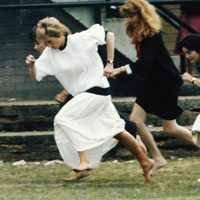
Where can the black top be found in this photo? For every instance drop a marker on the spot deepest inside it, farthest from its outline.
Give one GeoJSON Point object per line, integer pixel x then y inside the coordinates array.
{"type": "Point", "coordinates": [155, 72]}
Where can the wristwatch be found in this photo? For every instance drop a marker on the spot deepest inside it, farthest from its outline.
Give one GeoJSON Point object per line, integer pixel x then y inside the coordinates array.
{"type": "Point", "coordinates": [110, 61]}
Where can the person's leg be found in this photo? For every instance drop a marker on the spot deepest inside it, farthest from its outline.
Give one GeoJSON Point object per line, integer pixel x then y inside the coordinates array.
{"type": "Point", "coordinates": [138, 115]}
{"type": "Point", "coordinates": [131, 144]}
{"type": "Point", "coordinates": [170, 127]}
{"type": "Point", "coordinates": [84, 162]}
{"type": "Point", "coordinates": [142, 145]}
{"type": "Point", "coordinates": [130, 126]}
{"type": "Point", "coordinates": [62, 96]}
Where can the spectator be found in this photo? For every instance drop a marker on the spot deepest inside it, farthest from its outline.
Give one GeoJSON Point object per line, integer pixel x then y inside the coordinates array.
{"type": "Point", "coordinates": [190, 14]}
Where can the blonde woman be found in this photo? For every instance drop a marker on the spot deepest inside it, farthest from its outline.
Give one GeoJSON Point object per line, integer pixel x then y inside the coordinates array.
{"type": "Point", "coordinates": [88, 125]}
{"type": "Point", "coordinates": [157, 79]}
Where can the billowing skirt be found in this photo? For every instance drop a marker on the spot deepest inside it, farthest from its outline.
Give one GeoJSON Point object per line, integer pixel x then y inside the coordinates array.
{"type": "Point", "coordinates": [88, 122]}
{"type": "Point", "coordinates": [164, 106]}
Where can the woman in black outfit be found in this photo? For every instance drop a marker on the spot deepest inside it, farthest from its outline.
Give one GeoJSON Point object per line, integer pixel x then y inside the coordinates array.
{"type": "Point", "coordinates": [156, 77]}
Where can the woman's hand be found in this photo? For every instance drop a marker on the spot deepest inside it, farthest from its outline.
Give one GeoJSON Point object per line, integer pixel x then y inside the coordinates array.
{"type": "Point", "coordinates": [108, 70]}
{"type": "Point", "coordinates": [30, 59]}
{"type": "Point", "coordinates": [187, 77]}
{"type": "Point", "coordinates": [117, 71]}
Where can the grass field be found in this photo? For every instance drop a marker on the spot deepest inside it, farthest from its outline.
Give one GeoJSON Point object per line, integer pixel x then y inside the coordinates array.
{"type": "Point", "coordinates": [112, 180]}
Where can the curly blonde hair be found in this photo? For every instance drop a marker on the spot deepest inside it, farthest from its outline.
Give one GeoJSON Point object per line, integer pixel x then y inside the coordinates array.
{"type": "Point", "coordinates": [50, 27]}
{"type": "Point", "coordinates": [147, 22]}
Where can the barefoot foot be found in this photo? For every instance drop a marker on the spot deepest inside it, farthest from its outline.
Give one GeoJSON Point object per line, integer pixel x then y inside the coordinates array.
{"type": "Point", "coordinates": [157, 165]}
{"type": "Point", "coordinates": [82, 167]}
{"type": "Point", "coordinates": [146, 170]}
{"type": "Point", "coordinates": [77, 176]}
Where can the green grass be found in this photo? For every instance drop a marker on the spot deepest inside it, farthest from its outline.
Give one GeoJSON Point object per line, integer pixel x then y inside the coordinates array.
{"type": "Point", "coordinates": [110, 181]}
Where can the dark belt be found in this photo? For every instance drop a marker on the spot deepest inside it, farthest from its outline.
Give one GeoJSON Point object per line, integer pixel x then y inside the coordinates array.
{"type": "Point", "coordinates": [99, 91]}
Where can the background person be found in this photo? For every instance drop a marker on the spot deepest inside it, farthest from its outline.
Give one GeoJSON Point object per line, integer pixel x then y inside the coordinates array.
{"type": "Point", "coordinates": [190, 47]}
{"type": "Point", "coordinates": [190, 14]}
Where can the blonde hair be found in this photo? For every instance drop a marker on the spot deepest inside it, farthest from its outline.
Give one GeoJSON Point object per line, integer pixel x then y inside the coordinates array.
{"type": "Point", "coordinates": [148, 22]}
{"type": "Point", "coordinates": [50, 27]}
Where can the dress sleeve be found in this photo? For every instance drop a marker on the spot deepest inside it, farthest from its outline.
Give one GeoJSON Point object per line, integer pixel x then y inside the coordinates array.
{"type": "Point", "coordinates": [95, 35]}
{"type": "Point", "coordinates": [43, 65]}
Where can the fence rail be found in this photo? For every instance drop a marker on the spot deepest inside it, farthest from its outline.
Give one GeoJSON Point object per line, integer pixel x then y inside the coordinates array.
{"type": "Point", "coordinates": [87, 4]}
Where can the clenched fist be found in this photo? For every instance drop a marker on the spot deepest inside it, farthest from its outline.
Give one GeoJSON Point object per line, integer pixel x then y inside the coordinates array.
{"type": "Point", "coordinates": [30, 59]}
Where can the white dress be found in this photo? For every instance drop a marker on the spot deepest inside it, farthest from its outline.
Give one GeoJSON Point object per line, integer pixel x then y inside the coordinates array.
{"type": "Point", "coordinates": [88, 122]}
{"type": "Point", "coordinates": [196, 131]}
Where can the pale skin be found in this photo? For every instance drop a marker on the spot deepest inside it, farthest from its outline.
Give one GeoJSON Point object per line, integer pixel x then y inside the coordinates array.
{"type": "Point", "coordinates": [132, 144]}
{"type": "Point", "coordinates": [39, 46]}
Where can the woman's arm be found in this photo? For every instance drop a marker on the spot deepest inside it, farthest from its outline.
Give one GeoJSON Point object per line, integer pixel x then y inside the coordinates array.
{"type": "Point", "coordinates": [30, 60]}
{"type": "Point", "coordinates": [189, 78]}
{"type": "Point", "coordinates": [110, 47]}
{"type": "Point", "coordinates": [123, 69]}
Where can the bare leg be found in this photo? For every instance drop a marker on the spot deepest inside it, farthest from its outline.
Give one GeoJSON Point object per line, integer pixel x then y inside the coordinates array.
{"type": "Point", "coordinates": [138, 115]}
{"type": "Point", "coordinates": [143, 147]}
{"type": "Point", "coordinates": [172, 128]}
{"type": "Point", "coordinates": [62, 96]}
{"type": "Point", "coordinates": [132, 145]}
{"type": "Point", "coordinates": [84, 163]}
